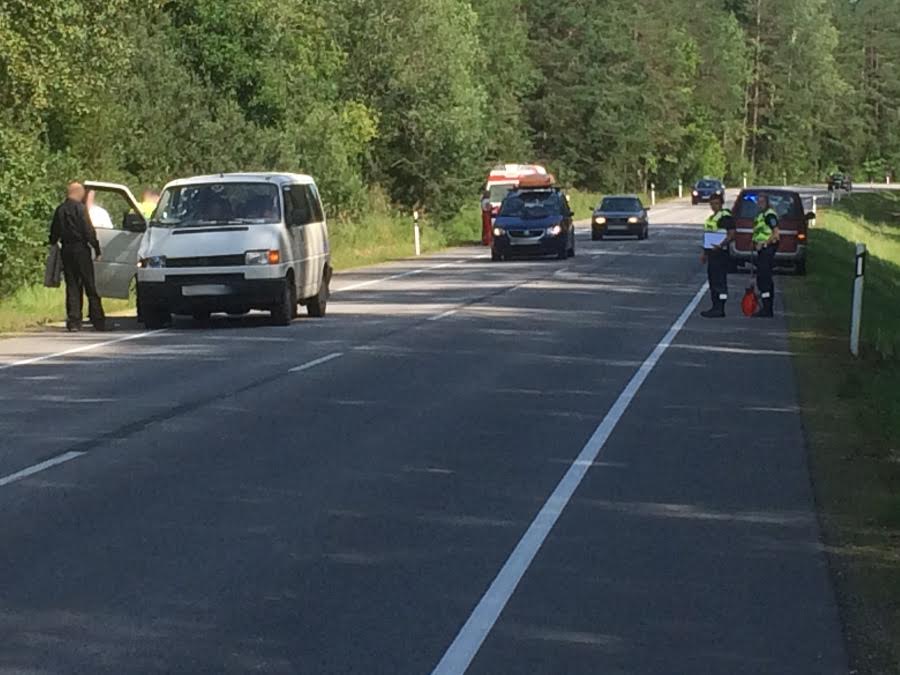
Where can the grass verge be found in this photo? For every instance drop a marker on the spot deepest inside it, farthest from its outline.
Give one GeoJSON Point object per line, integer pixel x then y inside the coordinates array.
{"type": "Point", "coordinates": [851, 410]}
{"type": "Point", "coordinates": [38, 306]}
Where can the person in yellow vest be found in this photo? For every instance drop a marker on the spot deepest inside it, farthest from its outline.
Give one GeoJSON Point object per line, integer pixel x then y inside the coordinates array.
{"type": "Point", "coordinates": [719, 231]}
{"type": "Point", "coordinates": [765, 241]}
{"type": "Point", "coordinates": [149, 200]}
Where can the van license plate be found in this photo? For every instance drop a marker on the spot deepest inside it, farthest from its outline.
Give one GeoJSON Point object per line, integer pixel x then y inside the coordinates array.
{"type": "Point", "coordinates": [205, 289]}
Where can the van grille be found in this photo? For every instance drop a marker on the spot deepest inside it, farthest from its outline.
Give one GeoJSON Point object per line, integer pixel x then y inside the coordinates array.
{"type": "Point", "coordinates": [207, 261]}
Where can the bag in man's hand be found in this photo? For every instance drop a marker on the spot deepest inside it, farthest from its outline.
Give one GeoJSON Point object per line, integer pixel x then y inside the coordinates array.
{"type": "Point", "coordinates": [53, 268]}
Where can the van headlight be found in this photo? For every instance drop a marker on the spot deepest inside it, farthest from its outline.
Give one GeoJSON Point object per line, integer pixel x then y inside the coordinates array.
{"type": "Point", "coordinates": [634, 220]}
{"type": "Point", "coordinates": [554, 231]}
{"type": "Point", "coordinates": [499, 231]}
{"type": "Point", "coordinates": [599, 220]}
{"type": "Point", "coordinates": [153, 262]}
{"type": "Point", "coordinates": [262, 258]}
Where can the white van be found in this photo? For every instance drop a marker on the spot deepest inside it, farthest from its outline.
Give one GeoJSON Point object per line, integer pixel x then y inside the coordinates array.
{"type": "Point", "coordinates": [224, 243]}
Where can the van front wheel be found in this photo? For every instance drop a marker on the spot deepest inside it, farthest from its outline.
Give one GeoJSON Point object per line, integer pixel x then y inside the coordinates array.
{"type": "Point", "coordinates": [286, 309]}
{"type": "Point", "coordinates": [318, 304]}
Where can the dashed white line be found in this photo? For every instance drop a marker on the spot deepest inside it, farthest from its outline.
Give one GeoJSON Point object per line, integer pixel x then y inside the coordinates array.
{"type": "Point", "coordinates": [402, 275]}
{"type": "Point", "coordinates": [316, 362]}
{"type": "Point", "coordinates": [444, 315]}
{"type": "Point", "coordinates": [462, 651]}
{"type": "Point", "coordinates": [37, 468]}
{"type": "Point", "coordinates": [80, 350]}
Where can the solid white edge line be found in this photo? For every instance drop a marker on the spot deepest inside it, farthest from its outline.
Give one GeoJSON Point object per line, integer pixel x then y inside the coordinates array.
{"type": "Point", "coordinates": [459, 655]}
{"type": "Point", "coordinates": [80, 350]}
{"type": "Point", "coordinates": [37, 468]}
{"type": "Point", "coordinates": [316, 362]}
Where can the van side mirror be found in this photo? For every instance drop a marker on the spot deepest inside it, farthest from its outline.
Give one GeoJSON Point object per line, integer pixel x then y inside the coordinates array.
{"type": "Point", "coordinates": [810, 216]}
{"type": "Point", "coordinates": [134, 222]}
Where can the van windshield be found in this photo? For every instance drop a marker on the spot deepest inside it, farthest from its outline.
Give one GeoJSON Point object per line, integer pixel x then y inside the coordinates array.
{"type": "Point", "coordinates": [218, 204]}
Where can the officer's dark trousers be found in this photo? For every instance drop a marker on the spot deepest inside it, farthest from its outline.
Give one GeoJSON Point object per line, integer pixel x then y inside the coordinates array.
{"type": "Point", "coordinates": [78, 270]}
{"type": "Point", "coordinates": [717, 264]}
{"type": "Point", "coordinates": [765, 282]}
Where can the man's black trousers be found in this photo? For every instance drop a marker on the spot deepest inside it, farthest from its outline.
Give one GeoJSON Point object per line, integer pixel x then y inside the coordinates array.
{"type": "Point", "coordinates": [78, 270]}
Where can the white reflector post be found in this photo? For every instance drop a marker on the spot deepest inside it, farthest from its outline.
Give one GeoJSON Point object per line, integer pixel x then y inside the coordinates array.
{"type": "Point", "coordinates": [859, 271]}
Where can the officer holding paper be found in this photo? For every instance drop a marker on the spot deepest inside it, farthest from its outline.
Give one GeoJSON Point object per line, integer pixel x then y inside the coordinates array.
{"type": "Point", "coordinates": [719, 231]}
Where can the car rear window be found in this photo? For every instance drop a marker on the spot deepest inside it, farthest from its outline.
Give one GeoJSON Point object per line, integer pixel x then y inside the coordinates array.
{"type": "Point", "coordinates": [786, 205]}
{"type": "Point", "coordinates": [620, 204]}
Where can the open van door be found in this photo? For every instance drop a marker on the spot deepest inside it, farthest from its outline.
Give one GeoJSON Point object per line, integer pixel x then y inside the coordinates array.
{"type": "Point", "coordinates": [120, 235]}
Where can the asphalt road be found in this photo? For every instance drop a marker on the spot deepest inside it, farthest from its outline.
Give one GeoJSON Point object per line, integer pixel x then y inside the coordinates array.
{"type": "Point", "coordinates": [526, 467]}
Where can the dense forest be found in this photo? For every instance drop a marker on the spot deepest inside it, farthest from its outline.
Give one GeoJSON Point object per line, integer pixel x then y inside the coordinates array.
{"type": "Point", "coordinates": [414, 99]}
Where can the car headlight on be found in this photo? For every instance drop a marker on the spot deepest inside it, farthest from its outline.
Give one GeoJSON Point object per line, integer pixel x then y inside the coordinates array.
{"type": "Point", "coordinates": [554, 231]}
{"type": "Point", "coordinates": [695, 193]}
{"type": "Point", "coordinates": [153, 262]}
{"type": "Point", "coordinates": [600, 220]}
{"type": "Point", "coordinates": [499, 231]}
{"type": "Point", "coordinates": [634, 220]}
{"type": "Point", "coordinates": [262, 258]}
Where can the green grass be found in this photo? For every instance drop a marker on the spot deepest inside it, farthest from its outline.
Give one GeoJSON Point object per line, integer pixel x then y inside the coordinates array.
{"type": "Point", "coordinates": [851, 410]}
{"type": "Point", "coordinates": [37, 306]}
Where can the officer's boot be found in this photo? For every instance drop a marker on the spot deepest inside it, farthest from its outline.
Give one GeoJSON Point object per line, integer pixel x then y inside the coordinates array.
{"type": "Point", "coordinates": [767, 310]}
{"type": "Point", "coordinates": [717, 311]}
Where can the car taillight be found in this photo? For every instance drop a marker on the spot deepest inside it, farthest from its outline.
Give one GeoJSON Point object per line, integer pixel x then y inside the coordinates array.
{"type": "Point", "coordinates": [801, 236]}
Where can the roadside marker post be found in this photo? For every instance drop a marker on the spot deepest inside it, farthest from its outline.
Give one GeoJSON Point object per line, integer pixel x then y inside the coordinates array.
{"type": "Point", "coordinates": [858, 283]}
{"type": "Point", "coordinates": [652, 194]}
{"type": "Point", "coordinates": [417, 235]}
{"type": "Point", "coordinates": [814, 203]}
{"type": "Point", "coordinates": [784, 178]}
{"type": "Point", "coordinates": [745, 180]}
{"type": "Point", "coordinates": [680, 189]}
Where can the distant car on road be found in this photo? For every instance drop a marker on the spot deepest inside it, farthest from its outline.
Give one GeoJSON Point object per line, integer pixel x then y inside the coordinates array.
{"type": "Point", "coordinates": [534, 219]}
{"type": "Point", "coordinates": [792, 222]}
{"type": "Point", "coordinates": [620, 215]}
{"type": "Point", "coordinates": [704, 189]}
{"type": "Point", "coordinates": [839, 181]}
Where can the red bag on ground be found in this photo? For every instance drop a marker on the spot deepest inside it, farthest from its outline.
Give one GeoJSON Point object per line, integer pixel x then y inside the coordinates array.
{"type": "Point", "coordinates": [750, 303]}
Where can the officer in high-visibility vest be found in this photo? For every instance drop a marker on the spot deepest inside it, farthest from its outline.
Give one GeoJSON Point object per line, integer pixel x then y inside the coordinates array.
{"type": "Point", "coordinates": [765, 241]}
{"type": "Point", "coordinates": [719, 231]}
{"type": "Point", "coordinates": [149, 200]}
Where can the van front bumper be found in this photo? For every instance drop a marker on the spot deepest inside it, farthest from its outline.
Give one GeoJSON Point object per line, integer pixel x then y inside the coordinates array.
{"type": "Point", "coordinates": [223, 292]}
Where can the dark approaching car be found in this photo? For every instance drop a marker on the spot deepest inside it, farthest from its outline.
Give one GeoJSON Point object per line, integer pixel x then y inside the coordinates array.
{"type": "Point", "coordinates": [839, 181]}
{"type": "Point", "coordinates": [534, 219]}
{"type": "Point", "coordinates": [620, 215]}
{"type": "Point", "coordinates": [792, 222]}
{"type": "Point", "coordinates": [704, 190]}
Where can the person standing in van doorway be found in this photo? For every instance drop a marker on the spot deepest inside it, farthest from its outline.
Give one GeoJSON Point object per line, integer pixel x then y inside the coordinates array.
{"type": "Point", "coordinates": [149, 200]}
{"type": "Point", "coordinates": [719, 231]}
{"type": "Point", "coordinates": [766, 236]}
{"type": "Point", "coordinates": [72, 228]}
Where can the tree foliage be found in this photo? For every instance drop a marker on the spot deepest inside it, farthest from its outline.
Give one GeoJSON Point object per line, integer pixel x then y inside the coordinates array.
{"type": "Point", "coordinates": [417, 98]}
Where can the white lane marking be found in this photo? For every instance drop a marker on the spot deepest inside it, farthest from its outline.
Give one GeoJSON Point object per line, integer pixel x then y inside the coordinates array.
{"type": "Point", "coordinates": [444, 315]}
{"type": "Point", "coordinates": [37, 468]}
{"type": "Point", "coordinates": [80, 350]}
{"type": "Point", "coordinates": [462, 651]}
{"type": "Point", "coordinates": [372, 282]}
{"type": "Point", "coordinates": [316, 362]}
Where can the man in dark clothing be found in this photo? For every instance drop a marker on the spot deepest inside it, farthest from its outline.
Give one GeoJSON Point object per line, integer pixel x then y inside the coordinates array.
{"type": "Point", "coordinates": [72, 228]}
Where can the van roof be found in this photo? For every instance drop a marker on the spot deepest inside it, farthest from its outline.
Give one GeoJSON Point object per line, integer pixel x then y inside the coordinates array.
{"type": "Point", "coordinates": [280, 179]}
